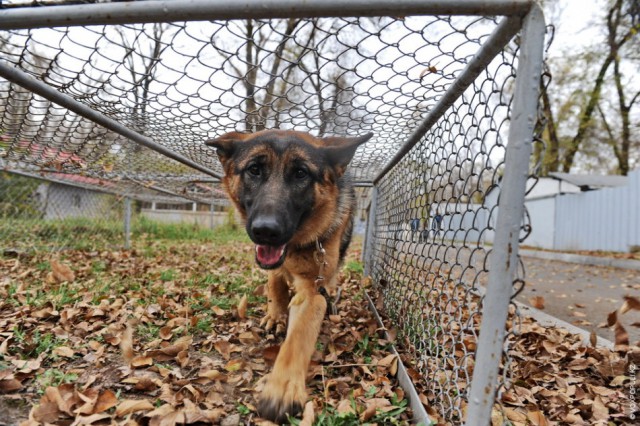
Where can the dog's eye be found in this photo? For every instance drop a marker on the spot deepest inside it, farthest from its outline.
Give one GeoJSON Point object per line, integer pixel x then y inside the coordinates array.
{"type": "Point", "coordinates": [300, 173]}
{"type": "Point", "coordinates": [254, 170]}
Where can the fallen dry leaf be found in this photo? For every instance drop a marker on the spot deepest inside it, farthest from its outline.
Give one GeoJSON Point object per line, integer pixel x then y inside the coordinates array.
{"type": "Point", "coordinates": [308, 415]}
{"type": "Point", "coordinates": [537, 302]}
{"type": "Point", "coordinates": [630, 303]}
{"type": "Point", "coordinates": [242, 307]}
{"type": "Point", "coordinates": [126, 343]}
{"type": "Point", "coordinates": [133, 406]}
{"type": "Point", "coordinates": [61, 272]}
{"type": "Point", "coordinates": [106, 400]}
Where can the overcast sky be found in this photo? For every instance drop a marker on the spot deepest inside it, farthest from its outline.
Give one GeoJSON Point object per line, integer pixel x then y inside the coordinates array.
{"type": "Point", "coordinates": [574, 23]}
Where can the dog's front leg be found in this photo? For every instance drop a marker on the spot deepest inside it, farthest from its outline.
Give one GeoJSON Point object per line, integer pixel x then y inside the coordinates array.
{"type": "Point", "coordinates": [284, 391]}
{"type": "Point", "coordinates": [277, 301]}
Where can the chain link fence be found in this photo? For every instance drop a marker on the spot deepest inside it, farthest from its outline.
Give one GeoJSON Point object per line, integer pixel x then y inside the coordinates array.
{"type": "Point", "coordinates": [120, 100]}
{"type": "Point", "coordinates": [43, 215]}
{"type": "Point", "coordinates": [435, 222]}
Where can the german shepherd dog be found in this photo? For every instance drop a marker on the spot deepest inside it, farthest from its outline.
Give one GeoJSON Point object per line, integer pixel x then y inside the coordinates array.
{"type": "Point", "coordinates": [297, 201]}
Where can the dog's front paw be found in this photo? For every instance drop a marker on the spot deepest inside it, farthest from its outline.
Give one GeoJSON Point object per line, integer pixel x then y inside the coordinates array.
{"type": "Point", "coordinates": [270, 321]}
{"type": "Point", "coordinates": [281, 397]}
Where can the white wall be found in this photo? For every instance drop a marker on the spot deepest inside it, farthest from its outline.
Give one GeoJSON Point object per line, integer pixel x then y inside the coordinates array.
{"type": "Point", "coordinates": [542, 213]}
{"type": "Point", "coordinates": [606, 219]}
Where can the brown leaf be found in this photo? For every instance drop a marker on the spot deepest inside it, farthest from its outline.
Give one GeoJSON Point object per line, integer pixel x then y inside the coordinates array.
{"type": "Point", "coordinates": [612, 319]}
{"type": "Point", "coordinates": [537, 418]}
{"type": "Point", "coordinates": [308, 415]}
{"type": "Point", "coordinates": [593, 339]}
{"type": "Point", "coordinates": [372, 407]}
{"type": "Point", "coordinates": [26, 366]}
{"type": "Point", "coordinates": [249, 337]}
{"type": "Point", "coordinates": [234, 365]}
{"type": "Point", "coordinates": [621, 335]}
{"type": "Point", "coordinates": [270, 354]}
{"type": "Point", "coordinates": [218, 310]}
{"type": "Point", "coordinates": [212, 375]}
{"type": "Point", "coordinates": [599, 410]}
{"type": "Point", "coordinates": [630, 303]}
{"type": "Point", "coordinates": [126, 344]}
{"type": "Point", "coordinates": [9, 384]}
{"type": "Point", "coordinates": [141, 361]}
{"type": "Point", "coordinates": [515, 415]}
{"type": "Point", "coordinates": [166, 333]}
{"type": "Point", "coordinates": [537, 302]}
{"type": "Point", "coordinates": [224, 348]}
{"type": "Point", "coordinates": [387, 361]}
{"type": "Point", "coordinates": [345, 407]}
{"type": "Point", "coordinates": [46, 412]}
{"type": "Point", "coordinates": [64, 351]}
{"type": "Point", "coordinates": [61, 272]}
{"type": "Point", "coordinates": [129, 406]}
{"type": "Point", "coordinates": [242, 307]}
{"type": "Point", "coordinates": [106, 400]}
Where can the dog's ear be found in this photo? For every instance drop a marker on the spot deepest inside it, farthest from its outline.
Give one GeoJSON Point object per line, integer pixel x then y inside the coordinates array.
{"type": "Point", "coordinates": [226, 144]}
{"type": "Point", "coordinates": [340, 151]}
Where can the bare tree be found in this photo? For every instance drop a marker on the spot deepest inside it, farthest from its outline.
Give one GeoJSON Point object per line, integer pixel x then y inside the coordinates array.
{"type": "Point", "coordinates": [620, 32]}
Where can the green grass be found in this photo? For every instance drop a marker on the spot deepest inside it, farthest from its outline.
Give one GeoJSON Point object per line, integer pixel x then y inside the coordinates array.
{"type": "Point", "coordinates": [354, 267]}
{"type": "Point", "coordinates": [330, 417]}
{"type": "Point", "coordinates": [104, 233]}
{"type": "Point", "coordinates": [54, 377]}
{"type": "Point", "coordinates": [35, 345]}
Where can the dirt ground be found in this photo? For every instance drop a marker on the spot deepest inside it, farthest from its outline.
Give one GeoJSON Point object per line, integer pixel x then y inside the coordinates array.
{"type": "Point", "coordinates": [583, 295]}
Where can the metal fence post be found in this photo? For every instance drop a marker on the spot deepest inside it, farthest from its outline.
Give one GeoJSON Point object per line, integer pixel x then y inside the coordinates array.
{"type": "Point", "coordinates": [369, 233]}
{"type": "Point", "coordinates": [127, 223]}
{"type": "Point", "coordinates": [504, 256]}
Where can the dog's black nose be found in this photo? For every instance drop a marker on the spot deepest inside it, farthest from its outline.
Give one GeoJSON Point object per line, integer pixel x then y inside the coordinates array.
{"type": "Point", "coordinates": [267, 230]}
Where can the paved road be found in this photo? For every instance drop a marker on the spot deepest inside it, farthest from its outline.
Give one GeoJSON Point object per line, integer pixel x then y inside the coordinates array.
{"type": "Point", "coordinates": [583, 295]}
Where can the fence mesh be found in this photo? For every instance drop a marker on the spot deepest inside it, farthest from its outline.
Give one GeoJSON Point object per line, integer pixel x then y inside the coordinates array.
{"type": "Point", "coordinates": [181, 83]}
{"type": "Point", "coordinates": [434, 226]}
{"type": "Point", "coordinates": [44, 215]}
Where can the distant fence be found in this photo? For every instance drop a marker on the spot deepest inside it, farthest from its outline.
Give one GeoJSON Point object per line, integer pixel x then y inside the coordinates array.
{"type": "Point", "coordinates": [36, 214]}
{"type": "Point", "coordinates": [607, 219]}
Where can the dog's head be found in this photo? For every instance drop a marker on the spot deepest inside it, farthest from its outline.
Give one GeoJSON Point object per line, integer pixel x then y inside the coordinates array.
{"type": "Point", "coordinates": [284, 184]}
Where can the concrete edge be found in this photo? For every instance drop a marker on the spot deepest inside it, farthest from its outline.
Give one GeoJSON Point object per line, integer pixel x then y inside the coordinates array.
{"type": "Point", "coordinates": [582, 259]}
{"type": "Point", "coordinates": [420, 415]}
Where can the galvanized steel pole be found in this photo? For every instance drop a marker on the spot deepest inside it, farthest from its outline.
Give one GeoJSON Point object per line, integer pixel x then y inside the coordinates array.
{"type": "Point", "coordinates": [127, 223]}
{"type": "Point", "coordinates": [504, 255]}
{"type": "Point", "coordinates": [367, 252]}
{"type": "Point", "coordinates": [494, 44]}
{"type": "Point", "coordinates": [119, 13]}
{"type": "Point", "coordinates": [23, 79]}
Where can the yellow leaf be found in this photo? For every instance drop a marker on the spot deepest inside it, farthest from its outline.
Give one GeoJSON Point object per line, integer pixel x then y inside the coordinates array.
{"type": "Point", "coordinates": [234, 365]}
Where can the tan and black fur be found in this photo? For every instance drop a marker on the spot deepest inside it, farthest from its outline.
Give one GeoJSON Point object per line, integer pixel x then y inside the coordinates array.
{"type": "Point", "coordinates": [293, 191]}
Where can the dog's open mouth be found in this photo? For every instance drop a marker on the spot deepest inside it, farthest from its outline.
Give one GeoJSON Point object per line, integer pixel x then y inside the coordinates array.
{"type": "Point", "coordinates": [270, 257]}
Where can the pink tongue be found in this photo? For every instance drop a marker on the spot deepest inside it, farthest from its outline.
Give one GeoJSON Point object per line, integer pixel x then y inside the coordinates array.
{"type": "Point", "coordinates": [269, 255]}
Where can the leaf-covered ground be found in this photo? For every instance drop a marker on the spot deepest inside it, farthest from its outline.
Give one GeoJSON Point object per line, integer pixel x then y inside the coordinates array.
{"type": "Point", "coordinates": [168, 333]}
